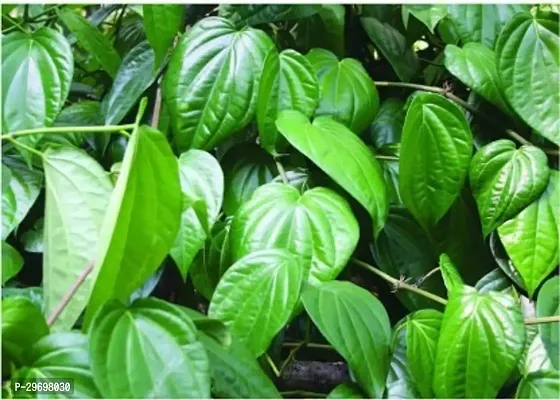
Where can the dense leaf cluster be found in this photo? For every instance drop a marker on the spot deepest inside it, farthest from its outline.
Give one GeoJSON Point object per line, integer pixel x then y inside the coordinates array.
{"type": "Point", "coordinates": [189, 194]}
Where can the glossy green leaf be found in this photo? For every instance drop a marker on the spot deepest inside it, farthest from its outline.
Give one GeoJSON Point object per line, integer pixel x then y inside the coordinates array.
{"type": "Point", "coordinates": [141, 221]}
{"type": "Point", "coordinates": [343, 156]}
{"type": "Point", "coordinates": [548, 304]}
{"type": "Point", "coordinates": [147, 350]}
{"type": "Point", "coordinates": [32, 240]}
{"type": "Point", "coordinates": [390, 170]}
{"type": "Point", "coordinates": [236, 374]}
{"type": "Point", "coordinates": [212, 328]}
{"type": "Point", "coordinates": [318, 227]}
{"type": "Point", "coordinates": [399, 380]}
{"type": "Point", "coordinates": [20, 188]}
{"type": "Point", "coordinates": [435, 153]}
{"type": "Point", "coordinates": [482, 23]}
{"type": "Point", "coordinates": [134, 76]}
{"type": "Point", "coordinates": [246, 167]}
{"type": "Point", "coordinates": [428, 14]}
{"type": "Point", "coordinates": [387, 126]}
{"type": "Point", "coordinates": [480, 343]}
{"type": "Point", "coordinates": [531, 237]}
{"type": "Point", "coordinates": [422, 333]}
{"type": "Point", "coordinates": [346, 390]}
{"type": "Point", "coordinates": [503, 261]}
{"type": "Point", "coordinates": [91, 39]}
{"type": "Point", "coordinates": [12, 262]}
{"type": "Point", "coordinates": [527, 60]}
{"type": "Point", "coordinates": [451, 276]}
{"type": "Point", "coordinates": [162, 22]}
{"type": "Point", "coordinates": [211, 84]}
{"type": "Point", "coordinates": [23, 324]}
{"type": "Point", "coordinates": [256, 14]}
{"type": "Point", "coordinates": [504, 180]}
{"type": "Point", "coordinates": [475, 66]}
{"type": "Point", "coordinates": [62, 355]}
{"type": "Point", "coordinates": [84, 113]}
{"type": "Point", "coordinates": [202, 183]}
{"type": "Point", "coordinates": [355, 323]}
{"type": "Point", "coordinates": [536, 358]}
{"type": "Point", "coordinates": [348, 94]}
{"type": "Point", "coordinates": [34, 294]}
{"type": "Point", "coordinates": [288, 82]}
{"type": "Point", "coordinates": [256, 296]}
{"type": "Point", "coordinates": [539, 385]}
{"type": "Point", "coordinates": [324, 29]}
{"type": "Point", "coordinates": [495, 280]}
{"type": "Point", "coordinates": [404, 249]}
{"type": "Point", "coordinates": [77, 196]}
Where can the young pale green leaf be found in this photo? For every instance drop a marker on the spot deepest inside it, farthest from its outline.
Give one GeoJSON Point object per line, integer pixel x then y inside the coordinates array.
{"type": "Point", "coordinates": [422, 333]}
{"type": "Point", "coordinates": [141, 221]}
{"type": "Point", "coordinates": [355, 323]}
{"type": "Point", "coordinates": [318, 227]}
{"type": "Point", "coordinates": [256, 296]}
{"type": "Point", "coordinates": [148, 350]}
{"type": "Point", "coordinates": [84, 113]}
{"type": "Point", "coordinates": [246, 167]}
{"type": "Point", "coordinates": [451, 276]}
{"type": "Point", "coordinates": [288, 82]}
{"type": "Point", "coordinates": [134, 76]}
{"type": "Point", "coordinates": [482, 23]}
{"type": "Point", "coordinates": [475, 66]}
{"type": "Point", "coordinates": [343, 156]}
{"type": "Point", "coordinates": [531, 237]}
{"type": "Point", "coordinates": [400, 384]}
{"type": "Point", "coordinates": [481, 340]}
{"type": "Point", "coordinates": [324, 29]}
{"type": "Point", "coordinates": [236, 374]}
{"type": "Point", "coordinates": [548, 304]}
{"type": "Point", "coordinates": [504, 180]}
{"type": "Point", "coordinates": [387, 126]}
{"type": "Point", "coordinates": [77, 196]}
{"type": "Point", "coordinates": [202, 182]}
{"type": "Point", "coordinates": [348, 95]}
{"type": "Point", "coordinates": [211, 84]}
{"type": "Point", "coordinates": [536, 357]}
{"type": "Point", "coordinates": [62, 355]}
{"type": "Point", "coordinates": [346, 390]}
{"type": "Point", "coordinates": [162, 22]}
{"type": "Point", "coordinates": [91, 39]}
{"type": "Point", "coordinates": [23, 324]}
{"type": "Point", "coordinates": [527, 60]}
{"type": "Point", "coordinates": [544, 384]}
{"type": "Point", "coordinates": [256, 14]}
{"type": "Point", "coordinates": [404, 249]}
{"type": "Point", "coordinates": [435, 153]}
{"type": "Point", "coordinates": [12, 262]}
{"type": "Point", "coordinates": [428, 14]}
{"type": "Point", "coordinates": [20, 188]}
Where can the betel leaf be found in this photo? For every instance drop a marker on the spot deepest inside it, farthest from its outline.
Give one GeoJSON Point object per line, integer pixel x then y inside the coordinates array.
{"type": "Point", "coordinates": [387, 126]}
{"type": "Point", "coordinates": [435, 153]}
{"type": "Point", "coordinates": [346, 390]}
{"type": "Point", "coordinates": [451, 276]}
{"type": "Point", "coordinates": [256, 296]}
{"type": "Point", "coordinates": [494, 280]}
{"type": "Point", "coordinates": [20, 188]}
{"type": "Point", "coordinates": [318, 227]}
{"type": "Point", "coordinates": [84, 113]}
{"type": "Point", "coordinates": [236, 374]}
{"type": "Point", "coordinates": [162, 22]}
{"type": "Point", "coordinates": [422, 333]}
{"type": "Point", "coordinates": [134, 76]}
{"type": "Point", "coordinates": [348, 95]}
{"type": "Point", "coordinates": [504, 180]}
{"type": "Point", "coordinates": [343, 156]}
{"type": "Point", "coordinates": [482, 23]}
{"type": "Point", "coordinates": [23, 324]}
{"type": "Point", "coordinates": [531, 237]}
{"type": "Point", "coordinates": [399, 379]}
{"type": "Point", "coordinates": [355, 323]}
{"type": "Point", "coordinates": [503, 260]}
{"type": "Point", "coordinates": [141, 221]}
{"type": "Point", "coordinates": [403, 248]}
{"type": "Point", "coordinates": [91, 39]}
{"type": "Point", "coordinates": [256, 14]}
{"type": "Point", "coordinates": [475, 66]}
{"type": "Point", "coordinates": [246, 167]}
{"type": "Point", "coordinates": [536, 357]}
{"type": "Point", "coordinates": [148, 350]}
{"type": "Point", "coordinates": [324, 29]}
{"type": "Point", "coordinates": [32, 240]}
{"type": "Point", "coordinates": [544, 384]}
{"type": "Point", "coordinates": [12, 262]}
{"type": "Point", "coordinates": [214, 329]}
{"type": "Point", "coordinates": [77, 196]}
{"type": "Point", "coordinates": [428, 14]}
{"type": "Point", "coordinates": [527, 60]}
{"type": "Point", "coordinates": [202, 183]}
{"type": "Point", "coordinates": [34, 294]}
{"type": "Point", "coordinates": [211, 84]}
{"type": "Point", "coordinates": [481, 340]}
{"type": "Point", "coordinates": [288, 82]}
{"type": "Point", "coordinates": [62, 355]}
{"type": "Point", "coordinates": [548, 304]}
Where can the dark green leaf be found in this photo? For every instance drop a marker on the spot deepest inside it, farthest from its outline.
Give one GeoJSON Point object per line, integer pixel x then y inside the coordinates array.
{"type": "Point", "coordinates": [548, 304]}
{"type": "Point", "coordinates": [346, 391]}
{"type": "Point", "coordinates": [324, 29]}
{"type": "Point", "coordinates": [539, 385]}
{"type": "Point", "coordinates": [256, 14]}
{"type": "Point", "coordinates": [503, 261]}
{"type": "Point", "coordinates": [399, 380]}
{"type": "Point", "coordinates": [387, 126]}
{"type": "Point", "coordinates": [84, 113]}
{"type": "Point", "coordinates": [12, 262]}
{"type": "Point", "coordinates": [162, 22]}
{"type": "Point", "coordinates": [495, 280]}
{"type": "Point", "coordinates": [34, 294]}
{"type": "Point", "coordinates": [428, 14]}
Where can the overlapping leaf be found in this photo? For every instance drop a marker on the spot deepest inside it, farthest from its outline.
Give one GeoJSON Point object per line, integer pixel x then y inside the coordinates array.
{"type": "Point", "coordinates": [162, 22]}
{"type": "Point", "coordinates": [548, 304]}
{"type": "Point", "coordinates": [12, 262]}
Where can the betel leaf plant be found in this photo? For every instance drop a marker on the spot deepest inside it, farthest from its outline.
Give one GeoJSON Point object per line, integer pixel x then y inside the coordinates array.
{"type": "Point", "coordinates": [281, 200]}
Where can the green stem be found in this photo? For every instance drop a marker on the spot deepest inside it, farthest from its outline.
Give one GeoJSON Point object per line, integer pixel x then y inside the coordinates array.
{"type": "Point", "coordinates": [272, 365]}
{"type": "Point", "coordinates": [390, 158]}
{"type": "Point", "coordinates": [281, 171]}
{"type": "Point", "coordinates": [310, 345]}
{"type": "Point", "coordinates": [542, 320]}
{"type": "Point", "coordinates": [70, 129]}
{"type": "Point", "coordinates": [290, 357]}
{"type": "Point", "coordinates": [15, 23]}
{"type": "Point", "coordinates": [30, 149]}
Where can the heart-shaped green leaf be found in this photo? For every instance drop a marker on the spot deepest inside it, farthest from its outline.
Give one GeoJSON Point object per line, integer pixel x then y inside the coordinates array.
{"type": "Point", "coordinates": [400, 384]}
{"type": "Point", "coordinates": [325, 29]}
{"type": "Point", "coordinates": [357, 326]}
{"type": "Point", "coordinates": [428, 14]}
{"type": "Point", "coordinates": [548, 304]}
{"type": "Point", "coordinates": [387, 126]}
{"type": "Point", "coordinates": [543, 384]}
{"type": "Point", "coordinates": [348, 95]}
{"type": "Point", "coordinates": [162, 22]}
{"type": "Point", "coordinates": [435, 153]}
{"type": "Point", "coordinates": [504, 180]}
{"type": "Point", "coordinates": [343, 156]}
